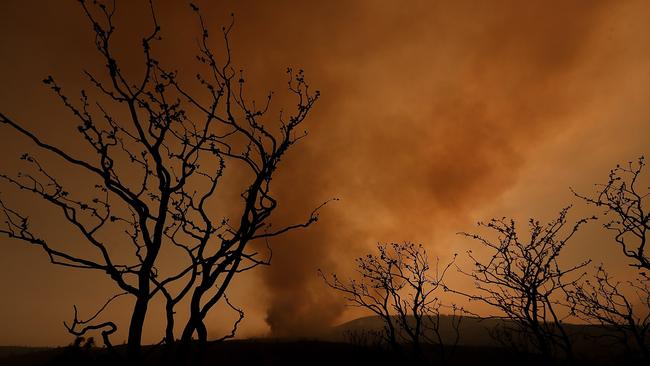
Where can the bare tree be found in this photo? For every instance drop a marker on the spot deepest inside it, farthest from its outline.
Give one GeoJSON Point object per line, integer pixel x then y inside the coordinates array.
{"type": "Point", "coordinates": [623, 306]}
{"type": "Point", "coordinates": [523, 279]}
{"type": "Point", "coordinates": [158, 155]}
{"type": "Point", "coordinates": [624, 201]}
{"type": "Point", "coordinates": [401, 287]}
{"type": "Point", "coordinates": [371, 291]}
{"type": "Point", "coordinates": [435, 333]}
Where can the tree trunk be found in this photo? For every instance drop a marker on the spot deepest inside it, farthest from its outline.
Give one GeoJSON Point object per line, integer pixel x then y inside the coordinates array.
{"type": "Point", "coordinates": [201, 333]}
{"type": "Point", "coordinates": [134, 343]}
{"type": "Point", "coordinates": [169, 329]}
{"type": "Point", "coordinates": [189, 329]}
{"type": "Point", "coordinates": [183, 352]}
{"type": "Point", "coordinates": [183, 355]}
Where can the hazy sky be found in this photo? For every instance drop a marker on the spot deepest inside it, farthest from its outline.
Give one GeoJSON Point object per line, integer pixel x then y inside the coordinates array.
{"type": "Point", "coordinates": [434, 115]}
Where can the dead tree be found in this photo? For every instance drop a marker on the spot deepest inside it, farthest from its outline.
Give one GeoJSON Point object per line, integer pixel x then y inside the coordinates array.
{"type": "Point", "coordinates": [371, 291]}
{"type": "Point", "coordinates": [434, 327]}
{"type": "Point", "coordinates": [416, 301]}
{"type": "Point", "coordinates": [221, 250]}
{"type": "Point", "coordinates": [622, 307]}
{"type": "Point", "coordinates": [401, 287]}
{"type": "Point", "coordinates": [624, 202]}
{"type": "Point", "coordinates": [158, 153]}
{"type": "Point", "coordinates": [523, 280]}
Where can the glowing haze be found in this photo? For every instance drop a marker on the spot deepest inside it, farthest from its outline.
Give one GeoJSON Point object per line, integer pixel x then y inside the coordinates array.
{"type": "Point", "coordinates": [434, 114]}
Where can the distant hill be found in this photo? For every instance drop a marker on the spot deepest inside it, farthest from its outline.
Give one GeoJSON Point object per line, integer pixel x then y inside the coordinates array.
{"type": "Point", "coordinates": [474, 331]}
{"type": "Point", "coordinates": [588, 340]}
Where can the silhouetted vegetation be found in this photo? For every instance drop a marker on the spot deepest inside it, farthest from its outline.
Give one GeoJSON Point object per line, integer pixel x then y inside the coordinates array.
{"type": "Point", "coordinates": [157, 148]}
{"type": "Point", "coordinates": [399, 286]}
{"type": "Point", "coordinates": [623, 306]}
{"type": "Point", "coordinates": [523, 279]}
{"type": "Point", "coordinates": [158, 153]}
{"type": "Point", "coordinates": [625, 205]}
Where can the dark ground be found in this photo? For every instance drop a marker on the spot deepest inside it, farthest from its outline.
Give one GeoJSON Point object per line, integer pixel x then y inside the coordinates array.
{"type": "Point", "coordinates": [275, 352]}
{"type": "Point", "coordinates": [352, 343]}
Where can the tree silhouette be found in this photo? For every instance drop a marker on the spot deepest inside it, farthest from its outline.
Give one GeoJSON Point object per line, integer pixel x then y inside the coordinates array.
{"type": "Point", "coordinates": [621, 305]}
{"type": "Point", "coordinates": [523, 279]}
{"type": "Point", "coordinates": [159, 153]}
{"type": "Point", "coordinates": [624, 201]}
{"type": "Point", "coordinates": [400, 286]}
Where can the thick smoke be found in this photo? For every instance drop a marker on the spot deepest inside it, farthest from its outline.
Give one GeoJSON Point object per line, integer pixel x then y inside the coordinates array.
{"type": "Point", "coordinates": [428, 112]}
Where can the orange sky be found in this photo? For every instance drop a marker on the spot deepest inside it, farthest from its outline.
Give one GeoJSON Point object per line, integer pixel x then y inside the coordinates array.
{"type": "Point", "coordinates": [434, 114]}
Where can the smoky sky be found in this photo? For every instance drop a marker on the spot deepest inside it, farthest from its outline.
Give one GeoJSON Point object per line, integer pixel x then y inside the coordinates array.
{"type": "Point", "coordinates": [432, 113]}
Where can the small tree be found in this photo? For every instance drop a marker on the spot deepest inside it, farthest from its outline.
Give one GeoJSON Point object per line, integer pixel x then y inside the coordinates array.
{"type": "Point", "coordinates": [621, 305]}
{"type": "Point", "coordinates": [523, 279]}
{"type": "Point", "coordinates": [625, 202]}
{"type": "Point", "coordinates": [158, 155]}
{"type": "Point", "coordinates": [401, 288]}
